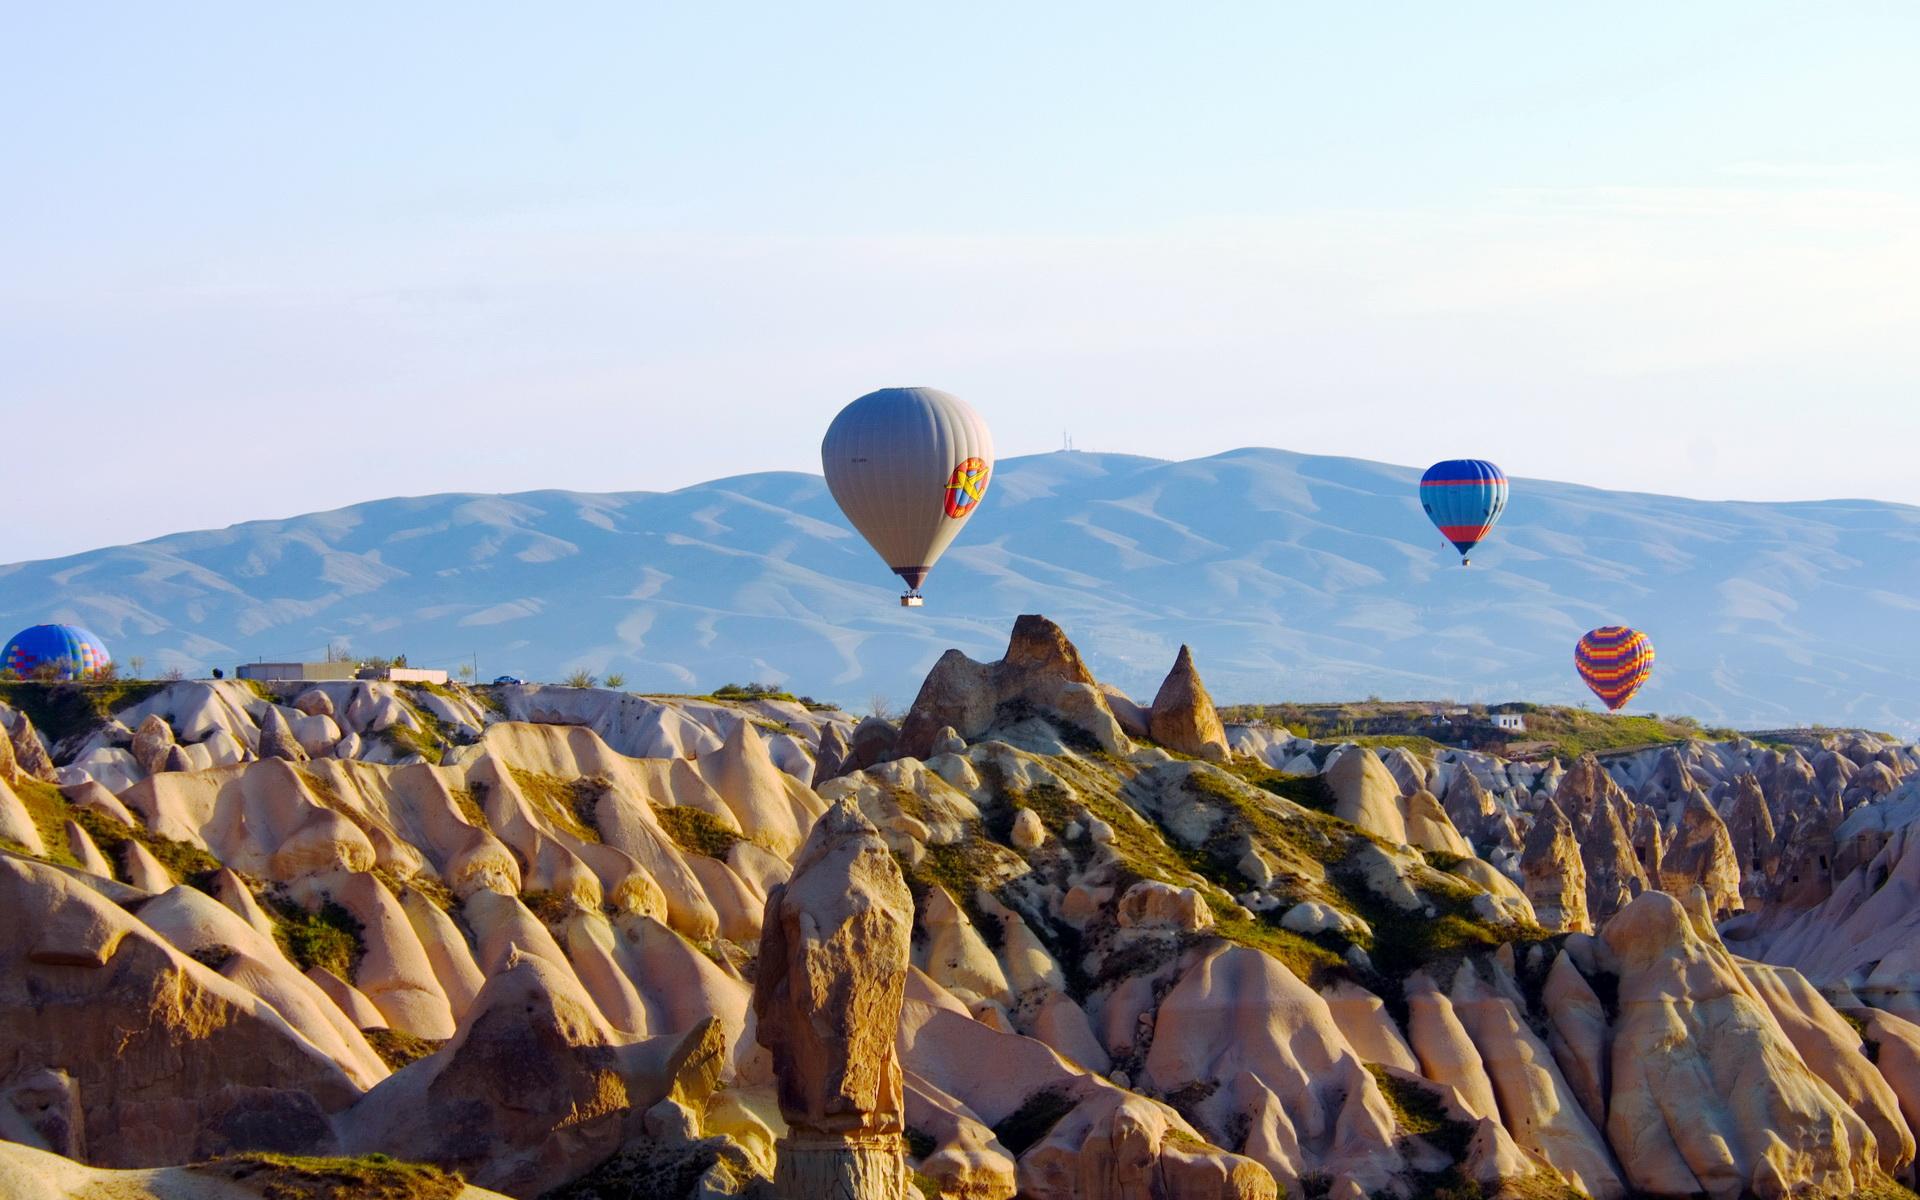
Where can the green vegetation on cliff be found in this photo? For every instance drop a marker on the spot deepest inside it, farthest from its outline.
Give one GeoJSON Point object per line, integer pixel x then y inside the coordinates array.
{"type": "Point", "coordinates": [369, 1177]}
{"type": "Point", "coordinates": [60, 710]}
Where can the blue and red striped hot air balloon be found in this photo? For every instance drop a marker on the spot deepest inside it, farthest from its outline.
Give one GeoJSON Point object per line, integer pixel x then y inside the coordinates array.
{"type": "Point", "coordinates": [1614, 661]}
{"type": "Point", "coordinates": [1464, 497]}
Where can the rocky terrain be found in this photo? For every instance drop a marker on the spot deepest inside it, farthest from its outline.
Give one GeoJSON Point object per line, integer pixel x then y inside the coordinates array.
{"type": "Point", "coordinates": [1039, 937]}
{"type": "Point", "coordinates": [1290, 575]}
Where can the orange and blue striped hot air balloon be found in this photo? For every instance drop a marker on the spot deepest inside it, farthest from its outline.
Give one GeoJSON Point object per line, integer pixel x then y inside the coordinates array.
{"type": "Point", "coordinates": [1464, 497]}
{"type": "Point", "coordinates": [1614, 661]}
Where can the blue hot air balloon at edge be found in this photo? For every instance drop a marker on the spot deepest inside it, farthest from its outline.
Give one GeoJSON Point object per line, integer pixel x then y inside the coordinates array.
{"type": "Point", "coordinates": [1464, 497]}
{"type": "Point", "coordinates": [71, 651]}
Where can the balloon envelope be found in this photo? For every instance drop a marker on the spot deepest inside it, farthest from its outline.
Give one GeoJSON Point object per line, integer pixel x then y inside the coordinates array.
{"type": "Point", "coordinates": [71, 651]}
{"type": "Point", "coordinates": [1464, 497]}
{"type": "Point", "coordinates": [1614, 661]}
{"type": "Point", "coordinates": [909, 467]}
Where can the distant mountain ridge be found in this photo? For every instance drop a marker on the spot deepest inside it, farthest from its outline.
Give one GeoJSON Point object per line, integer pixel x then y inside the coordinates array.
{"type": "Point", "coordinates": [1293, 577]}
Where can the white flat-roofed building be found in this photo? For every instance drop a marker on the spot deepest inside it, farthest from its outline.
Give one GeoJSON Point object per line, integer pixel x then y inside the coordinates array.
{"type": "Point", "coordinates": [297, 670]}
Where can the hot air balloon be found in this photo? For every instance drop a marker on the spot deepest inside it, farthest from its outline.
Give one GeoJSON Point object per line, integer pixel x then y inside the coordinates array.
{"type": "Point", "coordinates": [68, 650]}
{"type": "Point", "coordinates": [1615, 661]}
{"type": "Point", "coordinates": [1464, 497]}
{"type": "Point", "coordinates": [908, 466]}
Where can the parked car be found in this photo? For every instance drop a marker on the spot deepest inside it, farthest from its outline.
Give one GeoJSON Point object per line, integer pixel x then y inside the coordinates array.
{"type": "Point", "coordinates": [504, 679]}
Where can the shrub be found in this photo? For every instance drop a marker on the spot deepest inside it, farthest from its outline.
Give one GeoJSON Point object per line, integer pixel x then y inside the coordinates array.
{"type": "Point", "coordinates": [752, 691]}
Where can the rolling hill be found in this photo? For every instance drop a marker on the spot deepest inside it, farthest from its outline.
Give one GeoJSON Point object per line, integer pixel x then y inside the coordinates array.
{"type": "Point", "coordinates": [1293, 577]}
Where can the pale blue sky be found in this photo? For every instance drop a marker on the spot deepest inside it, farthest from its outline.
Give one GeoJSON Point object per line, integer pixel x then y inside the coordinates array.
{"type": "Point", "coordinates": [480, 247]}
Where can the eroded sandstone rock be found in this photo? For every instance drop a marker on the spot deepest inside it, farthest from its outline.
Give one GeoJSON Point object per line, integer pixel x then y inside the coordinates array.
{"type": "Point", "coordinates": [277, 739]}
{"type": "Point", "coordinates": [833, 967]}
{"type": "Point", "coordinates": [534, 1089]}
{"type": "Point", "coordinates": [1182, 717]}
{"type": "Point", "coordinates": [29, 752]}
{"type": "Point", "coordinates": [1041, 674]}
{"type": "Point", "coordinates": [1708, 1094]}
{"type": "Point", "coordinates": [1554, 873]}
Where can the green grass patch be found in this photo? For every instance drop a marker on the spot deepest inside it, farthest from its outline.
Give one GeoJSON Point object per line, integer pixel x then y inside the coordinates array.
{"type": "Point", "coordinates": [1443, 860]}
{"type": "Point", "coordinates": [1418, 743]}
{"type": "Point", "coordinates": [1312, 963]}
{"type": "Point", "coordinates": [1308, 791]}
{"type": "Point", "coordinates": [1399, 941]}
{"type": "Point", "coordinates": [61, 710]}
{"type": "Point", "coordinates": [467, 800]}
{"type": "Point", "coordinates": [742, 692]}
{"type": "Point", "coordinates": [1560, 731]}
{"type": "Point", "coordinates": [1884, 1189]}
{"type": "Point", "coordinates": [1138, 841]}
{"type": "Point", "coordinates": [185, 862]}
{"type": "Point", "coordinates": [1188, 1142]}
{"type": "Point", "coordinates": [568, 803]}
{"type": "Point", "coordinates": [1570, 732]}
{"type": "Point", "coordinates": [1150, 853]}
{"type": "Point", "coordinates": [697, 832]}
{"type": "Point", "coordinates": [964, 869]}
{"type": "Point", "coordinates": [322, 788]}
{"type": "Point", "coordinates": [437, 893]}
{"type": "Point", "coordinates": [1403, 942]}
{"type": "Point", "coordinates": [398, 1049]}
{"type": "Point", "coordinates": [1420, 1112]}
{"type": "Point", "coordinates": [49, 810]}
{"type": "Point", "coordinates": [368, 1177]}
{"type": "Point", "coordinates": [403, 740]}
{"type": "Point", "coordinates": [437, 729]}
{"type": "Point", "coordinates": [328, 938]}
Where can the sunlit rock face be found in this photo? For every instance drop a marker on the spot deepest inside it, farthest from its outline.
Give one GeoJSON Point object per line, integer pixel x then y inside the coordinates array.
{"type": "Point", "coordinates": [760, 949]}
{"type": "Point", "coordinates": [833, 966]}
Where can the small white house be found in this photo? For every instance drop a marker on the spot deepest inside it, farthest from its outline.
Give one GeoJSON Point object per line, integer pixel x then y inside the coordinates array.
{"type": "Point", "coordinates": [1510, 722]}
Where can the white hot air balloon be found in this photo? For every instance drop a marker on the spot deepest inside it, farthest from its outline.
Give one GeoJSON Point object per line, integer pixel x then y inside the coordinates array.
{"type": "Point", "coordinates": [908, 466]}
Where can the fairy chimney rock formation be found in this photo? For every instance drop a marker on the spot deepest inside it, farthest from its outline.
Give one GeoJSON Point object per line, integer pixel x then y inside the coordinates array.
{"type": "Point", "coordinates": [276, 738]}
{"type": "Point", "coordinates": [30, 756]}
{"type": "Point", "coordinates": [1041, 675]}
{"type": "Point", "coordinates": [1553, 876]}
{"type": "Point", "coordinates": [1183, 717]}
{"type": "Point", "coordinates": [833, 969]}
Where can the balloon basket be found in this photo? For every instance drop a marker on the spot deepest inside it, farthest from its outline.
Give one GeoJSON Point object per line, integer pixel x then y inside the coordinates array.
{"type": "Point", "coordinates": [912, 600]}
